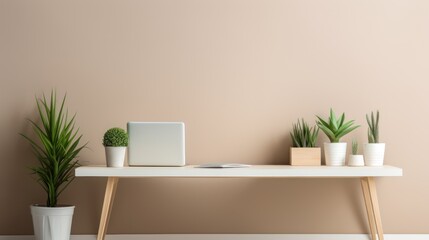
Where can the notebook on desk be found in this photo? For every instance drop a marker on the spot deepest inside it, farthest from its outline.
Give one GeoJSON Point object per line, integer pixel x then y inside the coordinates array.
{"type": "Point", "coordinates": [223, 165]}
{"type": "Point", "coordinates": [156, 143]}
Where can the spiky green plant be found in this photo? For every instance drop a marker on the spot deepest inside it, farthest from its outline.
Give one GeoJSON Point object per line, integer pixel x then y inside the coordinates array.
{"type": "Point", "coordinates": [56, 147]}
{"type": "Point", "coordinates": [373, 127]}
{"type": "Point", "coordinates": [115, 137]}
{"type": "Point", "coordinates": [355, 146]}
{"type": "Point", "coordinates": [335, 128]}
{"type": "Point", "coordinates": [304, 136]}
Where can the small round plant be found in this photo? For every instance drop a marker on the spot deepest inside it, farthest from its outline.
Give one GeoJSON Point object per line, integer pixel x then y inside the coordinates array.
{"type": "Point", "coordinates": [115, 137]}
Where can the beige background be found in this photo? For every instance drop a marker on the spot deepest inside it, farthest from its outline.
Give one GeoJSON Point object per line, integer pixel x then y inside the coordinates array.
{"type": "Point", "coordinates": [238, 73]}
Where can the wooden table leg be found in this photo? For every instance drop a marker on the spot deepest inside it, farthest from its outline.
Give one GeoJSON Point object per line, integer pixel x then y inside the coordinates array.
{"type": "Point", "coordinates": [376, 207]}
{"type": "Point", "coordinates": [369, 207]}
{"type": "Point", "coordinates": [372, 207]}
{"type": "Point", "coordinates": [109, 196]}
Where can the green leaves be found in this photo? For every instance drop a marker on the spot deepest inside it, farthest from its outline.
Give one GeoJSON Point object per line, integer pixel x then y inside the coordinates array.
{"type": "Point", "coordinates": [56, 148]}
{"type": "Point", "coordinates": [304, 136]}
{"type": "Point", "coordinates": [355, 146]}
{"type": "Point", "coordinates": [373, 127]}
{"type": "Point", "coordinates": [335, 128]}
{"type": "Point", "coordinates": [115, 137]}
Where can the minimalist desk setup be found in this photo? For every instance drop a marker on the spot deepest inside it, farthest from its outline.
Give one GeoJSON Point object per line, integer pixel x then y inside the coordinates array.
{"type": "Point", "coordinates": [366, 175]}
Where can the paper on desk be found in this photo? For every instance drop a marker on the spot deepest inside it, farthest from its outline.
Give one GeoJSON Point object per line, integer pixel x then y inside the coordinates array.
{"type": "Point", "coordinates": [224, 165]}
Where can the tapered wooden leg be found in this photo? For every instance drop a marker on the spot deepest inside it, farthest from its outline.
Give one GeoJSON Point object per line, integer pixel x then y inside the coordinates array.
{"type": "Point", "coordinates": [109, 196]}
{"type": "Point", "coordinates": [369, 207]}
{"type": "Point", "coordinates": [376, 207]}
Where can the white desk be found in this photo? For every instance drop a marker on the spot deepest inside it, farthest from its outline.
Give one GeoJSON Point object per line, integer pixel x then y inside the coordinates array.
{"type": "Point", "coordinates": [366, 175]}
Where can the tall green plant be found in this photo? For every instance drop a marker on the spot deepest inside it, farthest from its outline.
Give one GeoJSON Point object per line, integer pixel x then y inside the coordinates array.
{"type": "Point", "coordinates": [304, 136]}
{"type": "Point", "coordinates": [373, 127]}
{"type": "Point", "coordinates": [56, 147]}
{"type": "Point", "coordinates": [335, 128]}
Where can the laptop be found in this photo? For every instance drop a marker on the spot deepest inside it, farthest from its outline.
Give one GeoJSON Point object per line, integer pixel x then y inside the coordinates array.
{"type": "Point", "coordinates": [156, 143]}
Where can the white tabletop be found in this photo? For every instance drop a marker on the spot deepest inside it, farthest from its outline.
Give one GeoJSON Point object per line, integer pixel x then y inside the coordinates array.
{"type": "Point", "coordinates": [255, 171]}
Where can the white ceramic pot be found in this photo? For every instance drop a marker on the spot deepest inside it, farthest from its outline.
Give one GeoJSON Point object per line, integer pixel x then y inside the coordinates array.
{"type": "Point", "coordinates": [52, 223]}
{"type": "Point", "coordinates": [356, 161]}
{"type": "Point", "coordinates": [335, 154]}
{"type": "Point", "coordinates": [374, 154]}
{"type": "Point", "coordinates": [115, 156]}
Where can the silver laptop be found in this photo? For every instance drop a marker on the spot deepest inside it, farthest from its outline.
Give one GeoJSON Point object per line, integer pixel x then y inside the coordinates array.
{"type": "Point", "coordinates": [156, 143]}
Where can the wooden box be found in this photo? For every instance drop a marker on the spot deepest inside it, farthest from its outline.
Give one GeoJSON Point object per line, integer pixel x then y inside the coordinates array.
{"type": "Point", "coordinates": [305, 156]}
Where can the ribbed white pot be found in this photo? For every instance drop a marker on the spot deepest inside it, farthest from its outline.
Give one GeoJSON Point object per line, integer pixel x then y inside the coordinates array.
{"type": "Point", "coordinates": [52, 223]}
{"type": "Point", "coordinates": [356, 161]}
{"type": "Point", "coordinates": [374, 154]}
{"type": "Point", "coordinates": [115, 156]}
{"type": "Point", "coordinates": [335, 154]}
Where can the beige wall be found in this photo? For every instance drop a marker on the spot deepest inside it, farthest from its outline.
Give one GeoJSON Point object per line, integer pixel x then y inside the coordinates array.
{"type": "Point", "coordinates": [238, 73]}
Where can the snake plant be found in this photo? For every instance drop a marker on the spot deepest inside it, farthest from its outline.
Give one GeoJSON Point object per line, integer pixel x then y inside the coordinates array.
{"type": "Point", "coordinates": [355, 146]}
{"type": "Point", "coordinates": [373, 127]}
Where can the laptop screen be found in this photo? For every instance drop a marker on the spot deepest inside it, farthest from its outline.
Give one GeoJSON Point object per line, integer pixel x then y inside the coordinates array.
{"type": "Point", "coordinates": [156, 143]}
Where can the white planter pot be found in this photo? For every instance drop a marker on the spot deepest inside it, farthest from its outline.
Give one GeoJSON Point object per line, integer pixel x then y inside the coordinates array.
{"type": "Point", "coordinates": [115, 156]}
{"type": "Point", "coordinates": [374, 154]}
{"type": "Point", "coordinates": [52, 223]}
{"type": "Point", "coordinates": [335, 154]}
{"type": "Point", "coordinates": [356, 161]}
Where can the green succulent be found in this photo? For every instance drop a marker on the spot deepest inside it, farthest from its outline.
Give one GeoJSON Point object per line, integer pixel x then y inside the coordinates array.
{"type": "Point", "coordinates": [355, 146]}
{"type": "Point", "coordinates": [56, 148]}
{"type": "Point", "coordinates": [335, 128]}
{"type": "Point", "coordinates": [115, 137]}
{"type": "Point", "coordinates": [304, 136]}
{"type": "Point", "coordinates": [373, 127]}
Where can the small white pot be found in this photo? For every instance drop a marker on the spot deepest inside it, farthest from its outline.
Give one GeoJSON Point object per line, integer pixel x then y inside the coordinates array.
{"type": "Point", "coordinates": [374, 154]}
{"type": "Point", "coordinates": [356, 161]}
{"type": "Point", "coordinates": [335, 154]}
{"type": "Point", "coordinates": [115, 156]}
{"type": "Point", "coordinates": [52, 223]}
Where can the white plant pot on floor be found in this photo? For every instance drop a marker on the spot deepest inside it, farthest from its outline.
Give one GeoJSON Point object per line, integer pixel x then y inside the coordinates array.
{"type": "Point", "coordinates": [335, 154]}
{"type": "Point", "coordinates": [115, 156]}
{"type": "Point", "coordinates": [52, 223]}
{"type": "Point", "coordinates": [374, 154]}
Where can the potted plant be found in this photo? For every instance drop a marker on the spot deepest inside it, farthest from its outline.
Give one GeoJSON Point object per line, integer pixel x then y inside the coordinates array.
{"type": "Point", "coordinates": [355, 160]}
{"type": "Point", "coordinates": [374, 150]}
{"type": "Point", "coordinates": [56, 147]}
{"type": "Point", "coordinates": [115, 141]}
{"type": "Point", "coordinates": [335, 129]}
{"type": "Point", "coordinates": [304, 151]}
